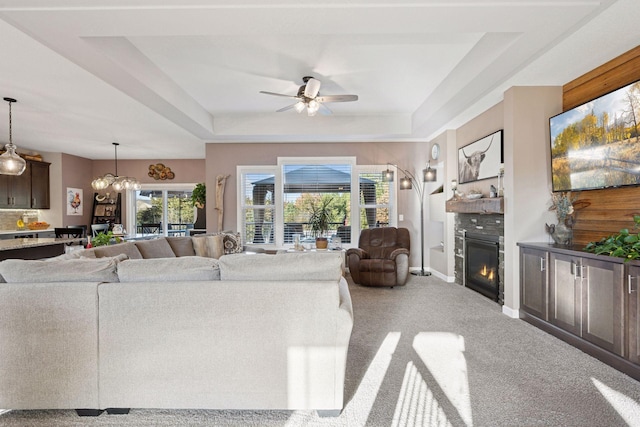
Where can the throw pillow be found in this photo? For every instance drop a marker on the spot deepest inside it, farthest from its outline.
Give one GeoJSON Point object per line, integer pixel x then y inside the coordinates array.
{"type": "Point", "coordinates": [232, 243]}
{"type": "Point", "coordinates": [186, 268]}
{"type": "Point", "coordinates": [155, 248]}
{"type": "Point", "coordinates": [68, 270]}
{"type": "Point", "coordinates": [211, 246]}
{"type": "Point", "coordinates": [127, 248]}
{"type": "Point", "coordinates": [181, 245]}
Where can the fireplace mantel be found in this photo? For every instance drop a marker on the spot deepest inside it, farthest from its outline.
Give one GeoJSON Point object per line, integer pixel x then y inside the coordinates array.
{"type": "Point", "coordinates": [493, 205]}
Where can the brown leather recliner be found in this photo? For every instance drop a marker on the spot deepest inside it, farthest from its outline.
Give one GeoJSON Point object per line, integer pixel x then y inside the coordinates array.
{"type": "Point", "coordinates": [382, 257]}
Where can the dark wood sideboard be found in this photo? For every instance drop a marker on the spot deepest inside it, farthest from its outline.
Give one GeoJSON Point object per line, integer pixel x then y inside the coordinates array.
{"type": "Point", "coordinates": [590, 301]}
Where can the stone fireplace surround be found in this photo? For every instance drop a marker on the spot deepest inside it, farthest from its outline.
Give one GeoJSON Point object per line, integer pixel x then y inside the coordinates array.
{"type": "Point", "coordinates": [482, 224]}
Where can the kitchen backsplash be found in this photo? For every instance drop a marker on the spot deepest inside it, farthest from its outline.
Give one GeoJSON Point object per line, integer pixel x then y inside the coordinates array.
{"type": "Point", "coordinates": [8, 218]}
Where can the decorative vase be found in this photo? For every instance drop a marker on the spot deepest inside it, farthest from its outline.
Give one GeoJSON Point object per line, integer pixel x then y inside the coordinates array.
{"type": "Point", "coordinates": [561, 233]}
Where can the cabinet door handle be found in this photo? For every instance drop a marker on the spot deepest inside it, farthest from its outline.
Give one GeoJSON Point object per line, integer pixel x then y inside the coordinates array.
{"type": "Point", "coordinates": [33, 201]}
{"type": "Point", "coordinates": [542, 264]}
{"type": "Point", "coordinates": [629, 279]}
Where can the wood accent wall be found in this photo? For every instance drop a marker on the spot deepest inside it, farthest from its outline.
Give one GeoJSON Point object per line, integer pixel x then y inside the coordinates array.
{"type": "Point", "coordinates": [609, 210]}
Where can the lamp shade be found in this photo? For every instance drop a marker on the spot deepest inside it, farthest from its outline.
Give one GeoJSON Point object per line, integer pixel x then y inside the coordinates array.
{"type": "Point", "coordinates": [405, 183]}
{"type": "Point", "coordinates": [429, 174]}
{"type": "Point", "coordinates": [387, 176]}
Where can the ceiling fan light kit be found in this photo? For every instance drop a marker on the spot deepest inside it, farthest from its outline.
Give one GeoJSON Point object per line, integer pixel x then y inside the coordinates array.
{"type": "Point", "coordinates": [308, 97]}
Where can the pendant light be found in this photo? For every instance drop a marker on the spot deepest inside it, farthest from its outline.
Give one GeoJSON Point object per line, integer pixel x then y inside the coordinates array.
{"type": "Point", "coordinates": [10, 162]}
{"type": "Point", "coordinates": [118, 183]}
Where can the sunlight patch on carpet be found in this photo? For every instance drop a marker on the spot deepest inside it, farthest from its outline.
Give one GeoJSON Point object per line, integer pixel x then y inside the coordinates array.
{"type": "Point", "coordinates": [357, 411]}
{"type": "Point", "coordinates": [416, 404]}
{"type": "Point", "coordinates": [628, 408]}
{"type": "Point", "coordinates": [443, 354]}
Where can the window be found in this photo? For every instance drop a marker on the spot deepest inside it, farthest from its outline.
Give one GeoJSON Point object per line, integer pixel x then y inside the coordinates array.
{"type": "Point", "coordinates": [257, 208]}
{"type": "Point", "coordinates": [306, 185]}
{"type": "Point", "coordinates": [300, 183]}
{"type": "Point", "coordinates": [161, 209]}
{"type": "Point", "coordinates": [375, 198]}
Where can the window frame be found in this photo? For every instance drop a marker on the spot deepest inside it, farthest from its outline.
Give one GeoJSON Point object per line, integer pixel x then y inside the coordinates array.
{"type": "Point", "coordinates": [130, 219]}
{"type": "Point", "coordinates": [278, 197]}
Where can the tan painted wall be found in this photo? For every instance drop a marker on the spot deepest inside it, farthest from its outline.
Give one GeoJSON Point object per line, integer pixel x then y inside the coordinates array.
{"type": "Point", "coordinates": [222, 159]}
{"type": "Point", "coordinates": [75, 173]}
{"type": "Point", "coordinates": [527, 175]}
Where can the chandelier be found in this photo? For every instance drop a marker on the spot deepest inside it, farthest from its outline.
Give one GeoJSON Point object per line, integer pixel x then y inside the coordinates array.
{"type": "Point", "coordinates": [10, 162]}
{"type": "Point", "coordinates": [118, 183]}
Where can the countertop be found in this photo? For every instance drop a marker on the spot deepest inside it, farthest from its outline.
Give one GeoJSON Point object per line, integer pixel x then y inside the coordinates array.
{"type": "Point", "coordinates": [9, 244]}
{"type": "Point", "coordinates": [26, 231]}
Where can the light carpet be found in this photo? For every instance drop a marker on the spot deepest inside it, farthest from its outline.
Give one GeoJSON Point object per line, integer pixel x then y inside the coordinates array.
{"type": "Point", "coordinates": [431, 354]}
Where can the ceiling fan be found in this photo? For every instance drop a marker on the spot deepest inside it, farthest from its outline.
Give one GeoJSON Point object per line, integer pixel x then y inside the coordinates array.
{"type": "Point", "coordinates": [309, 97]}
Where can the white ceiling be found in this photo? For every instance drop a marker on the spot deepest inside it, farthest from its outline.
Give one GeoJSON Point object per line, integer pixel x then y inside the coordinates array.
{"type": "Point", "coordinates": [164, 78]}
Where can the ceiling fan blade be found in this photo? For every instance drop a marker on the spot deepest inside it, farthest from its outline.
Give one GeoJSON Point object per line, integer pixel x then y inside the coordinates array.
{"type": "Point", "coordinates": [277, 94]}
{"type": "Point", "coordinates": [312, 87]}
{"type": "Point", "coordinates": [288, 107]}
{"type": "Point", "coordinates": [337, 98]}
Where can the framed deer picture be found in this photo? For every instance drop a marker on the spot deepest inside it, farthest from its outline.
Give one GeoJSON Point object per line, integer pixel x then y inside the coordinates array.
{"type": "Point", "coordinates": [481, 159]}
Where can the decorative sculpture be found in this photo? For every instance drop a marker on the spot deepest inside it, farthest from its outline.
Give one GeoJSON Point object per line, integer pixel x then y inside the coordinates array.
{"type": "Point", "coordinates": [220, 183]}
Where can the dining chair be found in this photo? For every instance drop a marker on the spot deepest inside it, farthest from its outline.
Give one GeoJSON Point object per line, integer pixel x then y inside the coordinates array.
{"type": "Point", "coordinates": [99, 228]}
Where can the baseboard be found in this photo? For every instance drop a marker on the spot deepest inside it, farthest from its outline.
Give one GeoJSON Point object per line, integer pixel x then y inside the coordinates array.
{"type": "Point", "coordinates": [515, 314]}
{"type": "Point", "coordinates": [441, 276]}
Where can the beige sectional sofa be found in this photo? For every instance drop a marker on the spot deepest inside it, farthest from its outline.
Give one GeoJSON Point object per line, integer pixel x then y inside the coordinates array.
{"type": "Point", "coordinates": [246, 331]}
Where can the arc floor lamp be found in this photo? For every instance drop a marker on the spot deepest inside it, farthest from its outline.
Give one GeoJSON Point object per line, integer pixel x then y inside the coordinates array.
{"type": "Point", "coordinates": [408, 182]}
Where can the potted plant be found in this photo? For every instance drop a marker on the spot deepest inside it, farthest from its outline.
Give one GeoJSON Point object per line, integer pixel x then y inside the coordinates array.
{"type": "Point", "coordinates": [199, 195]}
{"type": "Point", "coordinates": [102, 239]}
{"type": "Point", "coordinates": [320, 218]}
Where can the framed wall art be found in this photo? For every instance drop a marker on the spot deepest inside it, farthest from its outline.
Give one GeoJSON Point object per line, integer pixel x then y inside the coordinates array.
{"type": "Point", "coordinates": [481, 159]}
{"type": "Point", "coordinates": [74, 201]}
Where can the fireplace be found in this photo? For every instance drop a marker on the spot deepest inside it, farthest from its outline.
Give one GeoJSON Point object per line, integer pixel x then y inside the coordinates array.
{"type": "Point", "coordinates": [481, 264]}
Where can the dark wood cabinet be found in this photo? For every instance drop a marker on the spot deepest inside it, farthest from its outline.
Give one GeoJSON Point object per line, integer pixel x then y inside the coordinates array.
{"type": "Point", "coordinates": [40, 198]}
{"type": "Point", "coordinates": [30, 190]}
{"type": "Point", "coordinates": [633, 295]}
{"type": "Point", "coordinates": [564, 292]}
{"type": "Point", "coordinates": [603, 304]}
{"type": "Point", "coordinates": [589, 301]}
{"type": "Point", "coordinates": [15, 190]}
{"type": "Point", "coordinates": [533, 276]}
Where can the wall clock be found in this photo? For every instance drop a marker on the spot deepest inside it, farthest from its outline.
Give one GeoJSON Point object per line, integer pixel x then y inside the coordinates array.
{"type": "Point", "coordinates": [435, 151]}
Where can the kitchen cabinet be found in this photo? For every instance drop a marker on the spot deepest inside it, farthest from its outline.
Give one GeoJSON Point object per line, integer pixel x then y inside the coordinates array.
{"type": "Point", "coordinates": [40, 198]}
{"type": "Point", "coordinates": [588, 300]}
{"type": "Point", "coordinates": [15, 190]}
{"type": "Point", "coordinates": [30, 190]}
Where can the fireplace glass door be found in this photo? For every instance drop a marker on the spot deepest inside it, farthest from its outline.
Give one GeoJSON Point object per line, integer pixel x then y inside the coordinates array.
{"type": "Point", "coordinates": [481, 265]}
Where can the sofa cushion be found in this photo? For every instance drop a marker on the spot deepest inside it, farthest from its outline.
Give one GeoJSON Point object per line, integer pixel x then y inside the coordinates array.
{"type": "Point", "coordinates": [127, 248]}
{"type": "Point", "coordinates": [282, 267]}
{"type": "Point", "coordinates": [211, 246]}
{"type": "Point", "coordinates": [181, 245]}
{"type": "Point", "coordinates": [68, 270]}
{"type": "Point", "coordinates": [155, 248]}
{"type": "Point", "coordinates": [169, 270]}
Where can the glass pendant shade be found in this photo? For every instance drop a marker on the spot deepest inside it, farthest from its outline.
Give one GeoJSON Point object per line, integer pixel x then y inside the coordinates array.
{"type": "Point", "coordinates": [10, 162]}
{"type": "Point", "coordinates": [387, 176]}
{"type": "Point", "coordinates": [118, 183]}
